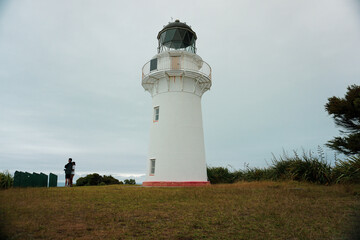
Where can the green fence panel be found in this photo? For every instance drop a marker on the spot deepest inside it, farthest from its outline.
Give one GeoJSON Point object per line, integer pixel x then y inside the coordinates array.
{"type": "Point", "coordinates": [25, 179]}
{"type": "Point", "coordinates": [28, 180]}
{"type": "Point", "coordinates": [34, 180]}
{"type": "Point", "coordinates": [22, 179]}
{"type": "Point", "coordinates": [44, 180]}
{"type": "Point", "coordinates": [53, 180]}
{"type": "Point", "coordinates": [17, 179]}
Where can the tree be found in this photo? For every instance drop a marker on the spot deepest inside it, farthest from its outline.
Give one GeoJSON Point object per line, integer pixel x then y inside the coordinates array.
{"type": "Point", "coordinates": [346, 114]}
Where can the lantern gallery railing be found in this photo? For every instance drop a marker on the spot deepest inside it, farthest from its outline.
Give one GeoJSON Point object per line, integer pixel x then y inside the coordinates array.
{"type": "Point", "coordinates": [163, 48]}
{"type": "Point", "coordinates": [176, 63]}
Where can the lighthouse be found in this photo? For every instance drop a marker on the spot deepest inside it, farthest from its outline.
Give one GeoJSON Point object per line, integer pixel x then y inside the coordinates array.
{"type": "Point", "coordinates": [176, 79]}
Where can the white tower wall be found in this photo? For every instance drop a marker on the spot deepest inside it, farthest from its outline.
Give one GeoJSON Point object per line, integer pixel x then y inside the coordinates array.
{"type": "Point", "coordinates": [177, 139]}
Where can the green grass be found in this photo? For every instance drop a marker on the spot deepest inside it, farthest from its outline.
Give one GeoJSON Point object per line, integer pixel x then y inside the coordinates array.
{"type": "Point", "coordinates": [255, 210]}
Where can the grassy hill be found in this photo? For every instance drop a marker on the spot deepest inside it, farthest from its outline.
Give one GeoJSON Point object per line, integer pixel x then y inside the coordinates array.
{"type": "Point", "coordinates": [256, 210]}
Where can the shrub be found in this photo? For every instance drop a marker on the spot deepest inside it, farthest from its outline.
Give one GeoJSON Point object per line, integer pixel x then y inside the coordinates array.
{"type": "Point", "coordinates": [95, 179]}
{"type": "Point", "coordinates": [281, 167]}
{"type": "Point", "coordinates": [130, 181]}
{"type": "Point", "coordinates": [257, 174]}
{"type": "Point", "coordinates": [347, 171]}
{"type": "Point", "coordinates": [300, 168]}
{"type": "Point", "coordinates": [6, 180]}
{"type": "Point", "coordinates": [305, 168]}
{"type": "Point", "coordinates": [220, 175]}
{"type": "Point", "coordinates": [82, 181]}
{"type": "Point", "coordinates": [109, 180]}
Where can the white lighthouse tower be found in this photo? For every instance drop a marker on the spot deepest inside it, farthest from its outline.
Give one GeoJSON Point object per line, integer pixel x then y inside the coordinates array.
{"type": "Point", "coordinates": [176, 78]}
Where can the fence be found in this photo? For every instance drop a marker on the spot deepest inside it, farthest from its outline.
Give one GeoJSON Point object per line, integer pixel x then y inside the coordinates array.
{"type": "Point", "coordinates": [25, 179]}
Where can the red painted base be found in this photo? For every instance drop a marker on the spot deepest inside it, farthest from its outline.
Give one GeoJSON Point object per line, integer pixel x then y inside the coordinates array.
{"type": "Point", "coordinates": [175, 184]}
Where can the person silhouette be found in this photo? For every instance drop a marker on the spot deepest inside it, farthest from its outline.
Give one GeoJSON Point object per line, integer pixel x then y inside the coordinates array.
{"type": "Point", "coordinates": [68, 169]}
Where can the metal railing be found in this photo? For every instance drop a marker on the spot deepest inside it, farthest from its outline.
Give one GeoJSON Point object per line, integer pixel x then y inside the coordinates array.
{"type": "Point", "coordinates": [163, 48]}
{"type": "Point", "coordinates": [164, 64]}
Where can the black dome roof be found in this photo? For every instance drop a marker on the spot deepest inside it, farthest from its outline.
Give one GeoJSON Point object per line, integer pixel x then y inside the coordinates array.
{"type": "Point", "coordinates": [177, 24]}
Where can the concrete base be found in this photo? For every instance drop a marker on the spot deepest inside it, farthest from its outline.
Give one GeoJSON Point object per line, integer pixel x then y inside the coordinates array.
{"type": "Point", "coordinates": [175, 184]}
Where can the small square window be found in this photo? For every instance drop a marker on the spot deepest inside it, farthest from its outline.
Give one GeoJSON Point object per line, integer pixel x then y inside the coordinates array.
{"type": "Point", "coordinates": [152, 166]}
{"type": "Point", "coordinates": [156, 114]}
{"type": "Point", "coordinates": [153, 64]}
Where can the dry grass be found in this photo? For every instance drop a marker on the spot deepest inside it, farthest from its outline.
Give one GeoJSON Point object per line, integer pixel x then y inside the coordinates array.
{"type": "Point", "coordinates": [257, 210]}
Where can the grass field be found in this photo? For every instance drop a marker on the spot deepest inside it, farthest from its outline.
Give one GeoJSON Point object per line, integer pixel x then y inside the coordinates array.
{"type": "Point", "coordinates": [256, 210]}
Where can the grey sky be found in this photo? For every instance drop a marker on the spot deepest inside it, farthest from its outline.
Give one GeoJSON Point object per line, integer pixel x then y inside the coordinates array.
{"type": "Point", "coordinates": [70, 79]}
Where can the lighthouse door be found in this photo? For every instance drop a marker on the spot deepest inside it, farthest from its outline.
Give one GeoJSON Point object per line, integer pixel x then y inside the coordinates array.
{"type": "Point", "coordinates": [175, 63]}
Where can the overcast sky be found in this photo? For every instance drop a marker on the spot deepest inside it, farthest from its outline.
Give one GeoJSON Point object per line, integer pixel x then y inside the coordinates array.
{"type": "Point", "coordinates": [70, 79]}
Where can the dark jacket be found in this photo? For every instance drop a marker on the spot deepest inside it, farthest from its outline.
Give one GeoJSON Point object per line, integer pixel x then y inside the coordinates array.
{"type": "Point", "coordinates": [68, 168]}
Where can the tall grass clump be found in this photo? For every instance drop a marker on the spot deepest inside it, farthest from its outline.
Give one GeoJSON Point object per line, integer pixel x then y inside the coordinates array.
{"type": "Point", "coordinates": [302, 168]}
{"type": "Point", "coordinates": [6, 180]}
{"type": "Point", "coordinates": [347, 171]}
{"type": "Point", "coordinates": [254, 174]}
{"type": "Point", "coordinates": [224, 175]}
{"type": "Point", "coordinates": [305, 167]}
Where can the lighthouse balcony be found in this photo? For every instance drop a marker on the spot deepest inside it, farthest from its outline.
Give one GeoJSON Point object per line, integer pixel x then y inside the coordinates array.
{"type": "Point", "coordinates": [176, 64]}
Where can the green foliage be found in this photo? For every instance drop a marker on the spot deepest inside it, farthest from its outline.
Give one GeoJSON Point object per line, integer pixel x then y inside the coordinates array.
{"type": "Point", "coordinates": [95, 179]}
{"type": "Point", "coordinates": [224, 175]}
{"type": "Point", "coordinates": [307, 167]}
{"type": "Point", "coordinates": [257, 174]}
{"type": "Point", "coordinates": [82, 181]}
{"type": "Point", "coordinates": [109, 180]}
{"type": "Point", "coordinates": [6, 180]}
{"type": "Point", "coordinates": [130, 181]}
{"type": "Point", "coordinates": [347, 171]}
{"type": "Point", "coordinates": [346, 114]}
{"type": "Point", "coordinates": [220, 175]}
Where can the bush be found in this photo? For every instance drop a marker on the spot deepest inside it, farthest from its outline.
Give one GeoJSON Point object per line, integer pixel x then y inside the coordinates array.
{"type": "Point", "coordinates": [6, 180]}
{"type": "Point", "coordinates": [347, 171]}
{"type": "Point", "coordinates": [257, 174]}
{"type": "Point", "coordinates": [82, 181]}
{"type": "Point", "coordinates": [220, 175]}
{"type": "Point", "coordinates": [305, 168]}
{"type": "Point", "coordinates": [224, 175]}
{"type": "Point", "coordinates": [95, 179]}
{"type": "Point", "coordinates": [130, 181]}
{"type": "Point", "coordinates": [109, 180]}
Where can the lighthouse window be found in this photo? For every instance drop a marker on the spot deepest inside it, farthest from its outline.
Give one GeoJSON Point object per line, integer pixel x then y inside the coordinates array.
{"type": "Point", "coordinates": [153, 64]}
{"type": "Point", "coordinates": [156, 114]}
{"type": "Point", "coordinates": [152, 166]}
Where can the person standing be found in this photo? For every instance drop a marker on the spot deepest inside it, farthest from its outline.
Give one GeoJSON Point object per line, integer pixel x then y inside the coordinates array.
{"type": "Point", "coordinates": [72, 173]}
{"type": "Point", "coordinates": [68, 169]}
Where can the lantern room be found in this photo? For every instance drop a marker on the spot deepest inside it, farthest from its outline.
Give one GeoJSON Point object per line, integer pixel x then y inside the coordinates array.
{"type": "Point", "coordinates": [177, 36]}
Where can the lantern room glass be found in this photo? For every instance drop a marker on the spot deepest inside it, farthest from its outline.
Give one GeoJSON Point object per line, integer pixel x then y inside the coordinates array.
{"type": "Point", "coordinates": [177, 39]}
